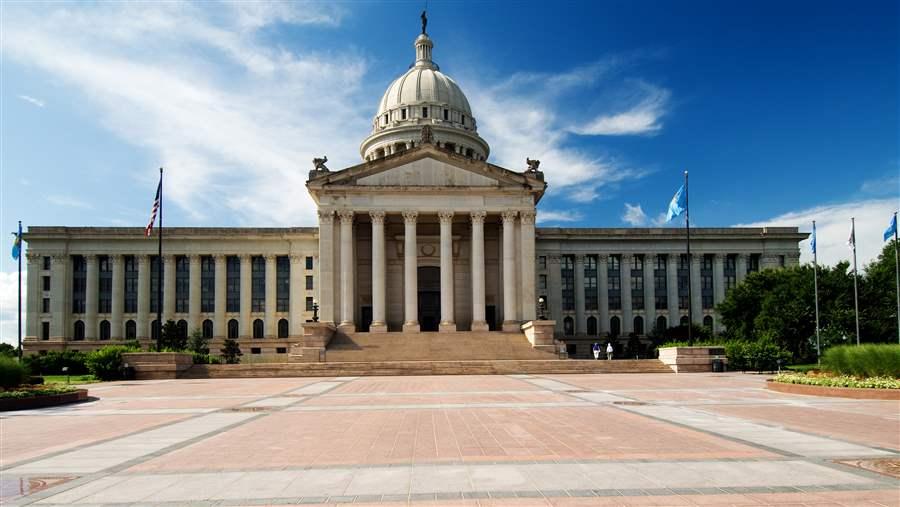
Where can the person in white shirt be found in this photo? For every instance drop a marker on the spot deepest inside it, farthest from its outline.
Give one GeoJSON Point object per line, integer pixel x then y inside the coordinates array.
{"type": "Point", "coordinates": [609, 351]}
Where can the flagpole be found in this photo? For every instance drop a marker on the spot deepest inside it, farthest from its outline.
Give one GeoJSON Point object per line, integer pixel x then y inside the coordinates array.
{"type": "Point", "coordinates": [159, 268]}
{"type": "Point", "coordinates": [855, 274]}
{"type": "Point", "coordinates": [20, 289]}
{"type": "Point", "coordinates": [687, 224]}
{"type": "Point", "coordinates": [816, 288]}
{"type": "Point", "coordinates": [897, 274]}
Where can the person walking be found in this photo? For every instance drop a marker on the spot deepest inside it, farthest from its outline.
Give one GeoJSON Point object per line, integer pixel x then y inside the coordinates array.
{"type": "Point", "coordinates": [609, 351]}
{"type": "Point", "coordinates": [596, 349]}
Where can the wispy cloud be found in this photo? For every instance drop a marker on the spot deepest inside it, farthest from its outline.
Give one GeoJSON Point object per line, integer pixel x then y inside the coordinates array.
{"type": "Point", "coordinates": [634, 215]}
{"type": "Point", "coordinates": [68, 201]}
{"type": "Point", "coordinates": [888, 185]}
{"type": "Point", "coordinates": [32, 100]}
{"type": "Point", "coordinates": [833, 228]}
{"type": "Point", "coordinates": [9, 305]}
{"type": "Point", "coordinates": [553, 216]}
{"type": "Point", "coordinates": [643, 118]}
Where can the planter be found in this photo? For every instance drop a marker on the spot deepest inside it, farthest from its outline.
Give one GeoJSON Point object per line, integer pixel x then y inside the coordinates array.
{"type": "Point", "coordinates": [858, 393]}
{"type": "Point", "coordinates": [157, 365]}
{"type": "Point", "coordinates": [49, 400]}
{"type": "Point", "coordinates": [694, 359]}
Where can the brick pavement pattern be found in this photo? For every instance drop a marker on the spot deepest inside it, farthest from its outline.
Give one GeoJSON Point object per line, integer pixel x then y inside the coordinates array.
{"type": "Point", "coordinates": [645, 439]}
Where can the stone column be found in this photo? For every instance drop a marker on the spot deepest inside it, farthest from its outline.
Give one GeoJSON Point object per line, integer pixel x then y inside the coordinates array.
{"type": "Point", "coordinates": [510, 320]}
{"type": "Point", "coordinates": [168, 288]}
{"type": "Point", "coordinates": [193, 293]}
{"type": "Point", "coordinates": [526, 251]}
{"type": "Point", "coordinates": [696, 306]}
{"type": "Point", "coordinates": [603, 287]}
{"type": "Point", "coordinates": [478, 320]}
{"type": "Point", "coordinates": [627, 314]}
{"type": "Point", "coordinates": [220, 326]}
{"type": "Point", "coordinates": [554, 290]}
{"type": "Point", "coordinates": [649, 293]}
{"type": "Point", "coordinates": [740, 267]}
{"type": "Point", "coordinates": [143, 297]}
{"type": "Point", "coordinates": [719, 278]}
{"type": "Point", "coordinates": [92, 295]}
{"type": "Point", "coordinates": [245, 323]}
{"type": "Point", "coordinates": [448, 318]}
{"type": "Point", "coordinates": [347, 271]}
{"type": "Point", "coordinates": [379, 322]}
{"type": "Point", "coordinates": [271, 328]}
{"type": "Point", "coordinates": [59, 302]}
{"type": "Point", "coordinates": [672, 289]}
{"type": "Point", "coordinates": [297, 301]}
{"type": "Point", "coordinates": [326, 266]}
{"type": "Point", "coordinates": [116, 325]}
{"type": "Point", "coordinates": [410, 273]}
{"type": "Point", "coordinates": [33, 293]}
{"type": "Point", "coordinates": [580, 323]}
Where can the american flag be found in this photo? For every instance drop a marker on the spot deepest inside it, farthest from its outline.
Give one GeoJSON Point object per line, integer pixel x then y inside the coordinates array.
{"type": "Point", "coordinates": [154, 209]}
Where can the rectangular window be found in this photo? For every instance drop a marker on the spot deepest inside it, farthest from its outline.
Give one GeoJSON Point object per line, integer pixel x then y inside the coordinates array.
{"type": "Point", "coordinates": [282, 284]}
{"type": "Point", "coordinates": [542, 282]}
{"type": "Point", "coordinates": [591, 297]}
{"type": "Point", "coordinates": [255, 350]}
{"type": "Point", "coordinates": [568, 282]}
{"type": "Point", "coordinates": [232, 284]}
{"type": "Point", "coordinates": [614, 281]}
{"type": "Point", "coordinates": [706, 282]}
{"type": "Point", "coordinates": [542, 262]}
{"type": "Point", "coordinates": [309, 282]}
{"type": "Point", "coordinates": [182, 283]}
{"type": "Point", "coordinates": [309, 263]}
{"type": "Point", "coordinates": [683, 285]}
{"type": "Point", "coordinates": [258, 284]}
{"type": "Point", "coordinates": [46, 283]}
{"type": "Point", "coordinates": [446, 114]}
{"type": "Point", "coordinates": [637, 283]}
{"type": "Point", "coordinates": [661, 283]}
{"type": "Point", "coordinates": [463, 120]}
{"type": "Point", "coordinates": [753, 263]}
{"type": "Point", "coordinates": [207, 284]}
{"type": "Point", "coordinates": [45, 305]}
{"type": "Point", "coordinates": [424, 112]}
{"type": "Point", "coordinates": [730, 272]}
{"type": "Point", "coordinates": [79, 283]}
{"type": "Point", "coordinates": [46, 261]}
{"type": "Point", "coordinates": [403, 113]}
{"type": "Point", "coordinates": [309, 303]}
{"type": "Point", "coordinates": [781, 260]}
{"type": "Point", "coordinates": [104, 303]}
{"type": "Point", "coordinates": [155, 277]}
{"type": "Point", "coordinates": [45, 330]}
{"type": "Point", "coordinates": [131, 284]}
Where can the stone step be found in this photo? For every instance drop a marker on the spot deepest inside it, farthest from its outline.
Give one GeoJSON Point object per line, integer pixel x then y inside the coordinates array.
{"type": "Point", "coordinates": [427, 346]}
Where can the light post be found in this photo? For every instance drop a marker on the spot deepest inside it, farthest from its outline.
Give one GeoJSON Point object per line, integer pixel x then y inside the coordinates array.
{"type": "Point", "coordinates": [315, 310]}
{"type": "Point", "coordinates": [542, 307]}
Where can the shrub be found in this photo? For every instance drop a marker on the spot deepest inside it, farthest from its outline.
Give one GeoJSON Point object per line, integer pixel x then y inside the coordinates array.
{"type": "Point", "coordinates": [197, 343]}
{"type": "Point", "coordinates": [172, 338]}
{"type": "Point", "coordinates": [53, 362]}
{"type": "Point", "coordinates": [12, 372]}
{"type": "Point", "coordinates": [761, 355]}
{"type": "Point", "coordinates": [870, 360]}
{"type": "Point", "coordinates": [37, 391]}
{"type": "Point", "coordinates": [8, 350]}
{"type": "Point", "coordinates": [231, 351]}
{"type": "Point", "coordinates": [206, 359]}
{"type": "Point", "coordinates": [106, 363]}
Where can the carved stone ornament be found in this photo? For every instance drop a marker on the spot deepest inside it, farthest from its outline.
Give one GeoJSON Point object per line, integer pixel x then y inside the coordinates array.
{"type": "Point", "coordinates": [532, 164]}
{"type": "Point", "coordinates": [319, 163]}
{"type": "Point", "coordinates": [478, 217]}
{"type": "Point", "coordinates": [326, 216]}
{"type": "Point", "coordinates": [377, 216]}
{"type": "Point", "coordinates": [427, 135]}
{"type": "Point", "coordinates": [445, 217]}
{"type": "Point", "coordinates": [410, 216]}
{"type": "Point", "coordinates": [346, 216]}
{"type": "Point", "coordinates": [527, 217]}
{"type": "Point", "coordinates": [509, 216]}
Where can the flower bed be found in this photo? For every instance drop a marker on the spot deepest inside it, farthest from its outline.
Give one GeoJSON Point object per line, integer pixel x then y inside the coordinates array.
{"type": "Point", "coordinates": [43, 396]}
{"type": "Point", "coordinates": [839, 381]}
{"type": "Point", "coordinates": [877, 388]}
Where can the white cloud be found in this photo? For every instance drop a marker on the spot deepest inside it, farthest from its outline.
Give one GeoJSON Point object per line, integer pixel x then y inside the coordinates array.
{"type": "Point", "coordinates": [235, 122]}
{"type": "Point", "coordinates": [546, 216]}
{"type": "Point", "coordinates": [32, 100]}
{"type": "Point", "coordinates": [634, 215]}
{"type": "Point", "coordinates": [9, 304]}
{"type": "Point", "coordinates": [642, 118]}
{"type": "Point", "coordinates": [68, 201]}
{"type": "Point", "coordinates": [833, 229]}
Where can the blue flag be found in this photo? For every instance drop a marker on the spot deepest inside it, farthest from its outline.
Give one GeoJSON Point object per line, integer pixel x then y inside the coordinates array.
{"type": "Point", "coordinates": [17, 243]}
{"type": "Point", "coordinates": [892, 229]}
{"type": "Point", "coordinates": [812, 242]}
{"type": "Point", "coordinates": [676, 207]}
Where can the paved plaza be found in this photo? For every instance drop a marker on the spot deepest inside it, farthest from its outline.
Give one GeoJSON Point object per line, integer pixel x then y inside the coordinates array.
{"type": "Point", "coordinates": [687, 439]}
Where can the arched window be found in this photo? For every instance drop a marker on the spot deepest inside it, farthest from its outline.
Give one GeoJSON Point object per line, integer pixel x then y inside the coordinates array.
{"type": "Point", "coordinates": [130, 330]}
{"type": "Point", "coordinates": [568, 326]}
{"type": "Point", "coordinates": [154, 330]}
{"type": "Point", "coordinates": [233, 329]}
{"type": "Point", "coordinates": [78, 332]}
{"type": "Point", "coordinates": [207, 329]}
{"type": "Point", "coordinates": [708, 322]}
{"type": "Point", "coordinates": [684, 320]}
{"type": "Point", "coordinates": [182, 329]}
{"type": "Point", "coordinates": [283, 328]}
{"type": "Point", "coordinates": [104, 330]}
{"type": "Point", "coordinates": [638, 325]}
{"type": "Point", "coordinates": [592, 326]}
{"type": "Point", "coordinates": [661, 324]}
{"type": "Point", "coordinates": [258, 328]}
{"type": "Point", "coordinates": [615, 326]}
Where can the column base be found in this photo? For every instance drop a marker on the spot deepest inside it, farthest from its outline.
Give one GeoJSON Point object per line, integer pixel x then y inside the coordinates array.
{"type": "Point", "coordinates": [447, 327]}
{"type": "Point", "coordinates": [378, 327]}
{"type": "Point", "coordinates": [411, 327]}
{"type": "Point", "coordinates": [480, 326]}
{"type": "Point", "coordinates": [347, 327]}
{"type": "Point", "coordinates": [512, 326]}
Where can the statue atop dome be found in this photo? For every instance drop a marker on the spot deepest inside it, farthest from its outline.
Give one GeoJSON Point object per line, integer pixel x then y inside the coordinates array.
{"type": "Point", "coordinates": [424, 21]}
{"type": "Point", "coordinates": [532, 164]}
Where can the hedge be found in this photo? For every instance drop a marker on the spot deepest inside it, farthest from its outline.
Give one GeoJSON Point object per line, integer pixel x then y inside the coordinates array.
{"type": "Point", "coordinates": [870, 360]}
{"type": "Point", "coordinates": [12, 372]}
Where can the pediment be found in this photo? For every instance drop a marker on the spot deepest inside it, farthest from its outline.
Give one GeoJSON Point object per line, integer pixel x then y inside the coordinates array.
{"type": "Point", "coordinates": [428, 172]}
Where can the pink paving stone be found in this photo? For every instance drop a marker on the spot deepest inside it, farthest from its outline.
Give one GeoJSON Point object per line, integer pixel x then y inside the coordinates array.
{"type": "Point", "coordinates": [438, 435]}
{"type": "Point", "coordinates": [26, 437]}
{"type": "Point", "coordinates": [447, 383]}
{"type": "Point", "coordinates": [416, 399]}
{"type": "Point", "coordinates": [203, 387]}
{"type": "Point", "coordinates": [621, 382]}
{"type": "Point", "coordinates": [151, 403]}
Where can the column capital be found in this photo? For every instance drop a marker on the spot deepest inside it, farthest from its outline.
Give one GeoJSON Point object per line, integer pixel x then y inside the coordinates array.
{"type": "Point", "coordinates": [270, 257]}
{"type": "Point", "coordinates": [719, 257]}
{"type": "Point", "coordinates": [554, 258]}
{"type": "Point", "coordinates": [32, 256]}
{"type": "Point", "coordinates": [169, 259]}
{"type": "Point", "coordinates": [346, 216]}
{"type": "Point", "coordinates": [410, 216]}
{"type": "Point", "coordinates": [602, 258]}
{"type": "Point", "coordinates": [142, 258]}
{"type": "Point", "coordinates": [445, 217]}
{"type": "Point", "coordinates": [116, 259]}
{"type": "Point", "coordinates": [192, 257]}
{"type": "Point", "coordinates": [219, 257]}
{"type": "Point", "coordinates": [90, 257]}
{"type": "Point", "coordinates": [326, 216]}
{"type": "Point", "coordinates": [245, 257]}
{"type": "Point", "coordinates": [508, 217]}
{"type": "Point", "coordinates": [296, 257]}
{"type": "Point", "coordinates": [478, 217]}
{"type": "Point", "coordinates": [579, 258]}
{"type": "Point", "coordinates": [377, 217]}
{"type": "Point", "coordinates": [528, 217]}
{"type": "Point", "coordinates": [58, 257]}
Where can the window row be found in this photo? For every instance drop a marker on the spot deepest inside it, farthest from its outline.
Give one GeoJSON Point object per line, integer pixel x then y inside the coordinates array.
{"type": "Point", "coordinates": [615, 325]}
{"type": "Point", "coordinates": [206, 328]}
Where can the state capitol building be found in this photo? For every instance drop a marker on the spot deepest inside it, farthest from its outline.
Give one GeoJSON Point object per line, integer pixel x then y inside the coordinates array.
{"type": "Point", "coordinates": [425, 235]}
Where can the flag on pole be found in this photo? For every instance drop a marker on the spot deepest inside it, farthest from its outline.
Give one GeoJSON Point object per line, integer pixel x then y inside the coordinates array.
{"type": "Point", "coordinates": [812, 242]}
{"type": "Point", "coordinates": [154, 209]}
{"type": "Point", "coordinates": [851, 242]}
{"type": "Point", "coordinates": [677, 205]}
{"type": "Point", "coordinates": [17, 243]}
{"type": "Point", "coordinates": [892, 229]}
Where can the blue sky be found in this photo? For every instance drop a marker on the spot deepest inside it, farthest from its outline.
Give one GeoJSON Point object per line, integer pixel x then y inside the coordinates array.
{"type": "Point", "coordinates": [782, 111]}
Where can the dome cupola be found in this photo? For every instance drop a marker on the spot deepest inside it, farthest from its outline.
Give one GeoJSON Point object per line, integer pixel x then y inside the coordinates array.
{"type": "Point", "coordinates": [424, 95]}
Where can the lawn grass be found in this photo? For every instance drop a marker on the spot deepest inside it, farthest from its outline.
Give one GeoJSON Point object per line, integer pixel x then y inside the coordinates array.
{"type": "Point", "coordinates": [73, 379]}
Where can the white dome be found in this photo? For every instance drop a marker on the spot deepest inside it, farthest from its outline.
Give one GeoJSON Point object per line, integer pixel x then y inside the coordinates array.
{"type": "Point", "coordinates": [423, 95]}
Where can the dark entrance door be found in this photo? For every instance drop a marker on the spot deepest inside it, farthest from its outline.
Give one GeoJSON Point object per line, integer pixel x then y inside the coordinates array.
{"type": "Point", "coordinates": [429, 298]}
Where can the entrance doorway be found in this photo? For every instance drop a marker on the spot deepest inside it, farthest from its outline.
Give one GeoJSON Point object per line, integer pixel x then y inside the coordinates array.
{"type": "Point", "coordinates": [429, 297]}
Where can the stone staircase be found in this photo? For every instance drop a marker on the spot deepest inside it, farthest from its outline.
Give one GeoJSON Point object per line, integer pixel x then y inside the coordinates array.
{"type": "Point", "coordinates": [457, 346]}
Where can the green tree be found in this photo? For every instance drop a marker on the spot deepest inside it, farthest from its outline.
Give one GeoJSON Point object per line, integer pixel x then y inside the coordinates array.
{"type": "Point", "coordinates": [172, 338]}
{"type": "Point", "coordinates": [8, 350]}
{"type": "Point", "coordinates": [197, 343]}
{"type": "Point", "coordinates": [231, 351]}
{"type": "Point", "coordinates": [878, 289]}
